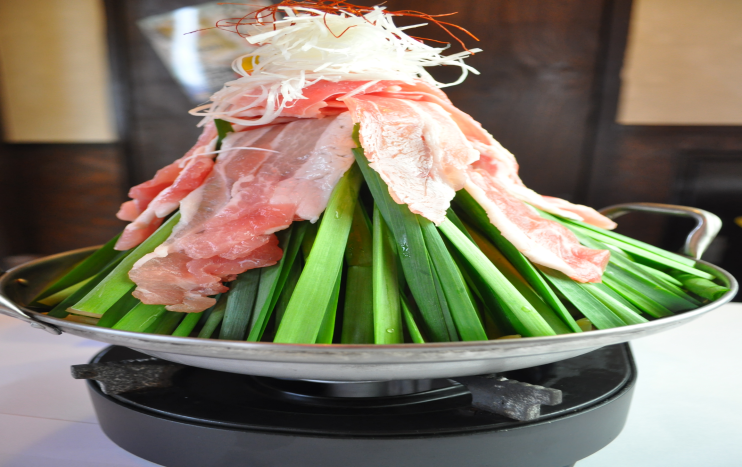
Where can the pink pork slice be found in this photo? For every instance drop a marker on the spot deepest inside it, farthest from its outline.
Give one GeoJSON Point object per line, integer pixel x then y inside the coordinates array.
{"type": "Point", "coordinates": [197, 167]}
{"type": "Point", "coordinates": [542, 241]}
{"type": "Point", "coordinates": [144, 193]}
{"type": "Point", "coordinates": [228, 223]}
{"type": "Point", "coordinates": [319, 99]}
{"type": "Point", "coordinates": [190, 178]}
{"type": "Point", "coordinates": [328, 98]}
{"type": "Point", "coordinates": [402, 147]}
{"type": "Point", "coordinates": [496, 166]}
{"type": "Point", "coordinates": [497, 161]}
{"type": "Point", "coordinates": [416, 148]}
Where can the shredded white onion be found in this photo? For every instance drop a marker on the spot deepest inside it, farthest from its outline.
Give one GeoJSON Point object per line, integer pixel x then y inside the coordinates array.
{"type": "Point", "coordinates": [308, 46]}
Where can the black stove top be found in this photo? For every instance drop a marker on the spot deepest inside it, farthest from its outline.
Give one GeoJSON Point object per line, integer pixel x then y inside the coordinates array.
{"type": "Point", "coordinates": [210, 418]}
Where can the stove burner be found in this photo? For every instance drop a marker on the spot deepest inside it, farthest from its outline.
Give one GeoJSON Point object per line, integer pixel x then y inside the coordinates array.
{"type": "Point", "coordinates": [309, 387]}
{"type": "Point", "coordinates": [513, 399]}
{"type": "Point", "coordinates": [213, 418]}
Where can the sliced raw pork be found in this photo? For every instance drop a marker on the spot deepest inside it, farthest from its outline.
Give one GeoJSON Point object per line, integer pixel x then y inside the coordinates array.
{"type": "Point", "coordinates": [262, 180]}
{"type": "Point", "coordinates": [494, 159]}
{"type": "Point", "coordinates": [167, 201]}
{"type": "Point", "coordinates": [198, 165]}
{"type": "Point", "coordinates": [416, 148]}
{"type": "Point", "coordinates": [425, 156]}
{"type": "Point", "coordinates": [330, 98]}
{"type": "Point", "coordinates": [144, 193]}
{"type": "Point", "coordinates": [424, 148]}
{"type": "Point", "coordinates": [497, 162]}
{"type": "Point", "coordinates": [544, 242]}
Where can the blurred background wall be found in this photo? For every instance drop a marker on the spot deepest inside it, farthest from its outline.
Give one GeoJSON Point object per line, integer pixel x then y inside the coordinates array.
{"type": "Point", "coordinates": [55, 86]}
{"type": "Point", "coordinates": [60, 167]}
{"type": "Point", "coordinates": [601, 101]}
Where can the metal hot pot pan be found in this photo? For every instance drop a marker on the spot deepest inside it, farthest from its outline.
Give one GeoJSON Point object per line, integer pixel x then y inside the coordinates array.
{"type": "Point", "coordinates": [362, 362]}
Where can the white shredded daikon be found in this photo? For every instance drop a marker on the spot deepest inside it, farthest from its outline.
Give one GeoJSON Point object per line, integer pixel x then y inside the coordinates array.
{"type": "Point", "coordinates": [308, 46]}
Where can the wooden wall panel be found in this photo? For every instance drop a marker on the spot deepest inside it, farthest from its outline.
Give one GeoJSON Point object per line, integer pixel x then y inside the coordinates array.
{"type": "Point", "coordinates": [57, 197]}
{"type": "Point", "coordinates": [644, 163]}
{"type": "Point", "coordinates": [66, 195]}
{"type": "Point", "coordinates": [12, 240]}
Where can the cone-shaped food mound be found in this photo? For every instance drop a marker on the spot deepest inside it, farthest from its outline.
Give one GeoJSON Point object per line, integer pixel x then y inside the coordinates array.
{"type": "Point", "coordinates": [336, 195]}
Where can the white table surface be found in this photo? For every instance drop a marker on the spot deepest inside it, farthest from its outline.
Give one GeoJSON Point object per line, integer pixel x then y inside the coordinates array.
{"type": "Point", "coordinates": [686, 411]}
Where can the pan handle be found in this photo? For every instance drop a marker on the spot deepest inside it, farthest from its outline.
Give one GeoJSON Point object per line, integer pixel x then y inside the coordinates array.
{"type": "Point", "coordinates": [7, 307]}
{"type": "Point", "coordinates": [698, 240]}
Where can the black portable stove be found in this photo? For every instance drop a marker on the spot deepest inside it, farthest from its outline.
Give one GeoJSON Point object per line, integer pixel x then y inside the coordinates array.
{"type": "Point", "coordinates": [209, 418]}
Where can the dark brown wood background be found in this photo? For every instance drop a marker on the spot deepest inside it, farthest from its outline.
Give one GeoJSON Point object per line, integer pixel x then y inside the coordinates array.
{"type": "Point", "coordinates": [57, 197]}
{"type": "Point", "coordinates": [548, 91]}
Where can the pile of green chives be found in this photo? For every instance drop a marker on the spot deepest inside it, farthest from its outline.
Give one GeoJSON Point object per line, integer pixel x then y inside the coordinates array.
{"type": "Point", "coordinates": [371, 271]}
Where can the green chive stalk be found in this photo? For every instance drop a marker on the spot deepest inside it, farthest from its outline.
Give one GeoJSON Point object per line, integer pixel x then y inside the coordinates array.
{"type": "Point", "coordinates": [463, 309]}
{"type": "Point", "coordinates": [616, 303]}
{"type": "Point", "coordinates": [453, 336]}
{"type": "Point", "coordinates": [479, 219]}
{"type": "Point", "coordinates": [661, 302]}
{"type": "Point", "coordinates": [168, 323]}
{"type": "Point", "coordinates": [702, 287]}
{"type": "Point", "coordinates": [119, 309]}
{"type": "Point", "coordinates": [512, 275]}
{"type": "Point", "coordinates": [413, 256]}
{"type": "Point", "coordinates": [56, 298]}
{"type": "Point", "coordinates": [117, 283]}
{"type": "Point", "coordinates": [273, 279]}
{"type": "Point", "coordinates": [308, 241]}
{"type": "Point", "coordinates": [660, 275]}
{"type": "Point", "coordinates": [386, 302]}
{"type": "Point", "coordinates": [288, 289]}
{"type": "Point", "coordinates": [215, 317]}
{"type": "Point", "coordinates": [327, 328]}
{"type": "Point", "coordinates": [240, 301]}
{"type": "Point", "coordinates": [409, 320]}
{"type": "Point", "coordinates": [223, 128]}
{"type": "Point", "coordinates": [188, 324]}
{"type": "Point", "coordinates": [60, 311]}
{"type": "Point", "coordinates": [358, 309]}
{"type": "Point", "coordinates": [630, 274]}
{"type": "Point", "coordinates": [499, 317]}
{"type": "Point", "coordinates": [88, 268]}
{"type": "Point", "coordinates": [314, 291]}
{"type": "Point", "coordinates": [654, 257]}
{"type": "Point", "coordinates": [524, 318]}
{"type": "Point", "coordinates": [619, 240]}
{"type": "Point", "coordinates": [141, 318]}
{"type": "Point", "coordinates": [593, 309]}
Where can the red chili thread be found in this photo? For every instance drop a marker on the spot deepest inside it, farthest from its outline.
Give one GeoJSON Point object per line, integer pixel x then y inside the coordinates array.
{"type": "Point", "coordinates": [269, 14]}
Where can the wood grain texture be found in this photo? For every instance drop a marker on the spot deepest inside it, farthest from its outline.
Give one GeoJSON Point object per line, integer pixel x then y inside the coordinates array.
{"type": "Point", "coordinates": [67, 195]}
